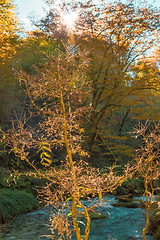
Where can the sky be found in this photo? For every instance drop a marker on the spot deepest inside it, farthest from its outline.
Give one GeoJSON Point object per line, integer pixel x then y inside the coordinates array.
{"type": "Point", "coordinates": [24, 8]}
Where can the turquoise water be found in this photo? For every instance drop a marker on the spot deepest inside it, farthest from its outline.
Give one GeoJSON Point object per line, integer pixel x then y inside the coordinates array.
{"type": "Point", "coordinates": [123, 224]}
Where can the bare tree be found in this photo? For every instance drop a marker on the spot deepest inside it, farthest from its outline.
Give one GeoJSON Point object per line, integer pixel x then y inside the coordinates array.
{"type": "Point", "coordinates": [147, 163]}
{"type": "Point", "coordinates": [57, 91]}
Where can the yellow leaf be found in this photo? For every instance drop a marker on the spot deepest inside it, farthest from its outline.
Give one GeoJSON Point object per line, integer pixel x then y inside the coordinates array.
{"type": "Point", "coordinates": [83, 153]}
{"type": "Point", "coordinates": [100, 196]}
{"type": "Point", "coordinates": [46, 162]}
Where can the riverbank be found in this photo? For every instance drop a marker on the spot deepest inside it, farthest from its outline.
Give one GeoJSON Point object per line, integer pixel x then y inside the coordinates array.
{"type": "Point", "coordinates": [19, 195]}
{"type": "Point", "coordinates": [122, 223]}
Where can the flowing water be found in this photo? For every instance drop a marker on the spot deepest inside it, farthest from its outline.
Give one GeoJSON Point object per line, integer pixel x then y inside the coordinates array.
{"type": "Point", "coordinates": [122, 224]}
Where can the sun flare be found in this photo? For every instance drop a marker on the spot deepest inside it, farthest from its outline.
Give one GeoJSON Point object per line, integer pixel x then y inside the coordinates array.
{"type": "Point", "coordinates": [69, 19]}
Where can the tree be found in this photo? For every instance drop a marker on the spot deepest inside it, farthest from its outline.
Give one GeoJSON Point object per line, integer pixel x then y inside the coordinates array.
{"type": "Point", "coordinates": [50, 90]}
{"type": "Point", "coordinates": [147, 163]}
{"type": "Point", "coordinates": [33, 49]}
{"type": "Point", "coordinates": [117, 41]}
{"type": "Point", "coordinates": [9, 29]}
{"type": "Point", "coordinates": [118, 36]}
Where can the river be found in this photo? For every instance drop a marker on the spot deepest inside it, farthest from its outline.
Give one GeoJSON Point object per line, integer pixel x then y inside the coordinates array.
{"type": "Point", "coordinates": [122, 224]}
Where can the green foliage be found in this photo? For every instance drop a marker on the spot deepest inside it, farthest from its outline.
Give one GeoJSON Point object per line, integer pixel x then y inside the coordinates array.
{"type": "Point", "coordinates": [13, 203]}
{"type": "Point", "coordinates": [33, 50]}
{"type": "Point", "coordinates": [28, 53]}
{"type": "Point", "coordinates": [9, 28]}
{"type": "Point", "coordinates": [14, 182]}
{"type": "Point", "coordinates": [28, 182]}
{"type": "Point", "coordinates": [134, 186]}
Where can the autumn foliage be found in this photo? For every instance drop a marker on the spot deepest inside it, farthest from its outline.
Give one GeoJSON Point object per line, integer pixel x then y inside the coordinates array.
{"type": "Point", "coordinates": [83, 90]}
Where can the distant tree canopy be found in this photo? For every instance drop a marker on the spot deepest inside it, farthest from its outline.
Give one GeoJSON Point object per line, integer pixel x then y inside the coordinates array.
{"type": "Point", "coordinates": [123, 76]}
{"type": "Point", "coordinates": [9, 28]}
{"type": "Point", "coordinates": [122, 79]}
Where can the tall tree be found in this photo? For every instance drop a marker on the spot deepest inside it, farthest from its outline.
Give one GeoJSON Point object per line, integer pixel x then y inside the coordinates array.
{"type": "Point", "coordinates": [119, 36]}
{"type": "Point", "coordinates": [9, 28]}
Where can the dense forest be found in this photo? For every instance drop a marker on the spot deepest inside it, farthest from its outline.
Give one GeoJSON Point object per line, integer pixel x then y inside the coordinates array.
{"type": "Point", "coordinates": [80, 110]}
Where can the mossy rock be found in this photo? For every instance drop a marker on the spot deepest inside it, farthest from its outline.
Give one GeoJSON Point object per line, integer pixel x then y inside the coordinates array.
{"type": "Point", "coordinates": [120, 190]}
{"type": "Point", "coordinates": [134, 203]}
{"type": "Point", "coordinates": [128, 201]}
{"type": "Point", "coordinates": [125, 198]}
{"type": "Point", "coordinates": [13, 203]}
{"type": "Point", "coordinates": [96, 216]}
{"type": "Point", "coordinates": [126, 204]}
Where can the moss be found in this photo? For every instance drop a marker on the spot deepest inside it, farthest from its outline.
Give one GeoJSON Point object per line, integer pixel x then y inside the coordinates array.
{"type": "Point", "coordinates": [13, 203]}
{"type": "Point", "coordinates": [128, 205]}
{"type": "Point", "coordinates": [125, 198]}
{"type": "Point", "coordinates": [21, 182]}
{"type": "Point", "coordinates": [96, 216]}
{"type": "Point", "coordinates": [128, 201]}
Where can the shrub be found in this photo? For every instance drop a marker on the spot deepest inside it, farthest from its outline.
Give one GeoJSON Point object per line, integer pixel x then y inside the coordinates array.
{"type": "Point", "coordinates": [13, 203]}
